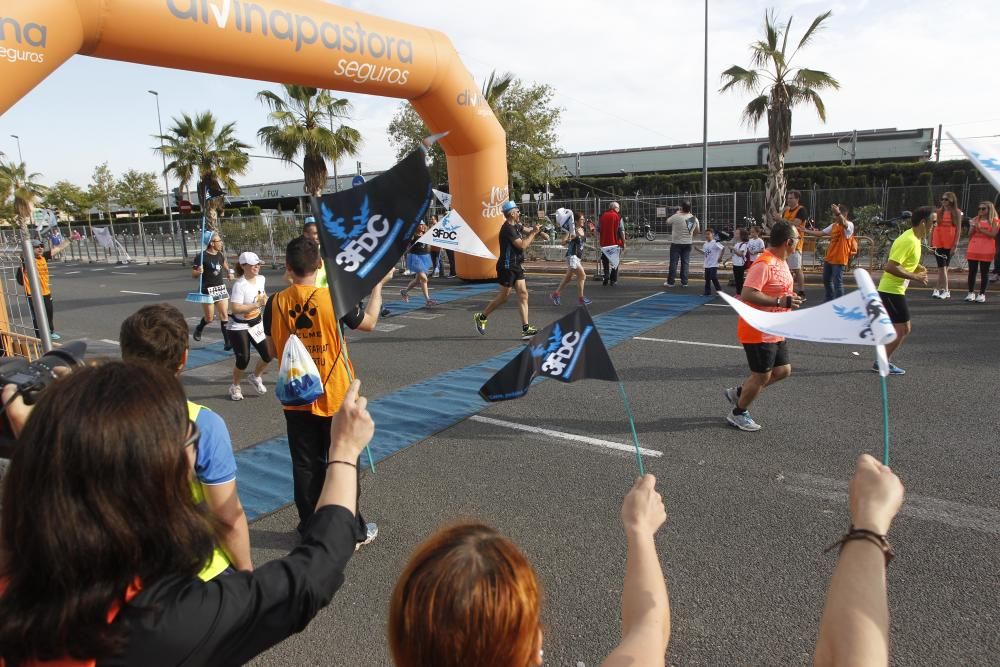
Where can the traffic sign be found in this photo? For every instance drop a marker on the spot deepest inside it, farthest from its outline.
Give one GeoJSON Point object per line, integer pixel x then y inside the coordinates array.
{"type": "Point", "coordinates": [184, 206]}
{"type": "Point", "coordinates": [357, 180]}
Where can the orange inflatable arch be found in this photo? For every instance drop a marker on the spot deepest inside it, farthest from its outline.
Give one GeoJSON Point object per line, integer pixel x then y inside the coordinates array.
{"type": "Point", "coordinates": [307, 42]}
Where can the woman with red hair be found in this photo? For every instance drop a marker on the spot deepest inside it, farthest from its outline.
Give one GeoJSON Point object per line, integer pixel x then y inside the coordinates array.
{"type": "Point", "coordinates": [468, 596]}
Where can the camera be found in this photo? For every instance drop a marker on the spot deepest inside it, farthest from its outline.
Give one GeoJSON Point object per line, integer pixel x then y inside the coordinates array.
{"type": "Point", "coordinates": [33, 377]}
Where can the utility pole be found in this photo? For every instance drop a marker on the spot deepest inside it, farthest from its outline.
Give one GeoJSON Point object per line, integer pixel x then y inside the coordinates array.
{"type": "Point", "coordinates": [704, 138]}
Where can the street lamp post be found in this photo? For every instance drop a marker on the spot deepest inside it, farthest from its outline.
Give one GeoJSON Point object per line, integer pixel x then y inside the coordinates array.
{"type": "Point", "coordinates": [166, 185]}
{"type": "Point", "coordinates": [19, 158]}
{"type": "Point", "coordinates": [704, 137]}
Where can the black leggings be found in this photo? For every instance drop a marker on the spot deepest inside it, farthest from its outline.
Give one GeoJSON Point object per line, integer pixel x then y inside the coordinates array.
{"type": "Point", "coordinates": [739, 273]}
{"type": "Point", "coordinates": [241, 342]}
{"type": "Point", "coordinates": [984, 275]}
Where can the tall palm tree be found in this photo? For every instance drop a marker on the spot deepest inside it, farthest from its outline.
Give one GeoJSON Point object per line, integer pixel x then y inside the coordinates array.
{"type": "Point", "coordinates": [496, 86]}
{"type": "Point", "coordinates": [779, 86]}
{"type": "Point", "coordinates": [303, 120]}
{"type": "Point", "coordinates": [17, 181]}
{"type": "Point", "coordinates": [199, 146]}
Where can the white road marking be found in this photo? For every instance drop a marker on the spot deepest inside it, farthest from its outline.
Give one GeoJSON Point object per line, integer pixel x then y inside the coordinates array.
{"type": "Point", "coordinates": [607, 444]}
{"type": "Point", "coordinates": [959, 515]}
{"type": "Point", "coordinates": [386, 328]}
{"type": "Point", "coordinates": [69, 273]}
{"type": "Point", "coordinates": [97, 269]}
{"type": "Point", "coordinates": [109, 341]}
{"type": "Point", "coordinates": [716, 305]}
{"type": "Point", "coordinates": [125, 291]}
{"type": "Point", "coordinates": [688, 342]}
{"type": "Point", "coordinates": [421, 316]}
{"type": "Point", "coordinates": [123, 273]}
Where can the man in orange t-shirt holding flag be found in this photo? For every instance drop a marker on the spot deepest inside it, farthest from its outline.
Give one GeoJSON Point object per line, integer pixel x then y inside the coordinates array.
{"type": "Point", "coordinates": [768, 286]}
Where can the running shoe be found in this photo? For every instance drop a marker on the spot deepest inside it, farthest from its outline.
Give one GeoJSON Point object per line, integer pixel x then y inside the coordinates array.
{"type": "Point", "coordinates": [732, 394]}
{"type": "Point", "coordinates": [971, 296]}
{"type": "Point", "coordinates": [527, 331]}
{"type": "Point", "coordinates": [945, 294]}
{"type": "Point", "coordinates": [893, 369]}
{"type": "Point", "coordinates": [668, 284]}
{"type": "Point", "coordinates": [584, 301]}
{"type": "Point", "coordinates": [197, 332]}
{"type": "Point", "coordinates": [979, 299]}
{"type": "Point", "coordinates": [480, 323]}
{"type": "Point", "coordinates": [258, 384]}
{"type": "Point", "coordinates": [406, 297]}
{"type": "Point", "coordinates": [936, 294]}
{"type": "Point", "coordinates": [371, 532]}
{"type": "Point", "coordinates": [555, 298]}
{"type": "Point", "coordinates": [55, 336]}
{"type": "Point", "coordinates": [743, 422]}
{"type": "Point", "coordinates": [235, 392]}
{"type": "Point", "coordinates": [431, 303]}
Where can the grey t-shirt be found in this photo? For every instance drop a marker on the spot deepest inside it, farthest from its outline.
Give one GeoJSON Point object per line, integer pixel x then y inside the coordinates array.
{"type": "Point", "coordinates": [683, 226]}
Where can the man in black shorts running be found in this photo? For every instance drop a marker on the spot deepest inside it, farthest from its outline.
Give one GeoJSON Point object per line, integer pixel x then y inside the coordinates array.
{"type": "Point", "coordinates": [510, 272]}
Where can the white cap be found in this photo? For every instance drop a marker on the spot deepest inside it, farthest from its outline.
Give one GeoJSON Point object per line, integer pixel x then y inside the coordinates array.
{"type": "Point", "coordinates": [249, 258]}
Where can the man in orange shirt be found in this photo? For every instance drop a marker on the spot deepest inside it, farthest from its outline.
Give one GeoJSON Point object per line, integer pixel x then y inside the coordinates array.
{"type": "Point", "coordinates": [306, 310]}
{"type": "Point", "coordinates": [768, 286]}
{"type": "Point", "coordinates": [41, 263]}
{"type": "Point", "coordinates": [797, 214]}
{"type": "Point", "coordinates": [840, 231]}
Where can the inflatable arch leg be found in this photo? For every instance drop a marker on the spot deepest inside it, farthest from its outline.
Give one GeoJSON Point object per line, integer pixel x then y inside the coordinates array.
{"type": "Point", "coordinates": [306, 42]}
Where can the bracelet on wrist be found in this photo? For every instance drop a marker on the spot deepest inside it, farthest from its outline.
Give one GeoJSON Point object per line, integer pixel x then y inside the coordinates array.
{"type": "Point", "coordinates": [346, 463]}
{"type": "Point", "coordinates": [870, 536]}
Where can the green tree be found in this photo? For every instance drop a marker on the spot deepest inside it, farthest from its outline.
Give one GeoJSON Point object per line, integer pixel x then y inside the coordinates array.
{"type": "Point", "coordinates": [68, 199]}
{"type": "Point", "coordinates": [18, 183]}
{"type": "Point", "coordinates": [103, 188]}
{"type": "Point", "coordinates": [138, 191]}
{"type": "Point", "coordinates": [303, 120]}
{"type": "Point", "coordinates": [778, 86]}
{"type": "Point", "coordinates": [527, 114]}
{"type": "Point", "coordinates": [406, 131]}
{"type": "Point", "coordinates": [198, 146]}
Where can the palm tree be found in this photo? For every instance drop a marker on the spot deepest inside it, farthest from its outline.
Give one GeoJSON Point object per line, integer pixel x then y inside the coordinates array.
{"type": "Point", "coordinates": [779, 86]}
{"type": "Point", "coordinates": [496, 86]}
{"type": "Point", "coordinates": [198, 146]}
{"type": "Point", "coordinates": [303, 123]}
{"type": "Point", "coordinates": [17, 181]}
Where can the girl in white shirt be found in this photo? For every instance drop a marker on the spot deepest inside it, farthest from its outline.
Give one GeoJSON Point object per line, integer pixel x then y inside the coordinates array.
{"type": "Point", "coordinates": [713, 254]}
{"type": "Point", "coordinates": [741, 257]}
{"type": "Point", "coordinates": [246, 327]}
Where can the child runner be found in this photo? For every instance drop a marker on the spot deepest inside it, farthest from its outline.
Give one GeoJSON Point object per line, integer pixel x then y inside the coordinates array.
{"type": "Point", "coordinates": [740, 258]}
{"type": "Point", "coordinates": [713, 253]}
{"type": "Point", "coordinates": [419, 262]}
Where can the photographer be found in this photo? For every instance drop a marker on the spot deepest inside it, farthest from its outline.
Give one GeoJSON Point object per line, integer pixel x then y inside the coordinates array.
{"type": "Point", "coordinates": [103, 542]}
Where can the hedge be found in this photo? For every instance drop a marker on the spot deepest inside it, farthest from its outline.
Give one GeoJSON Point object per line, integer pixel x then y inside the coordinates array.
{"type": "Point", "coordinates": [875, 174]}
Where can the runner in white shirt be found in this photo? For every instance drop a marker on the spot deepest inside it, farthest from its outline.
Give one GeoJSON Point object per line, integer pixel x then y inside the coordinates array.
{"type": "Point", "coordinates": [245, 325]}
{"type": "Point", "coordinates": [755, 247]}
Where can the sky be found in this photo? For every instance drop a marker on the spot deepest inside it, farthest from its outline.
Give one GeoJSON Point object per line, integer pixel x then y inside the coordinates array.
{"type": "Point", "coordinates": [627, 73]}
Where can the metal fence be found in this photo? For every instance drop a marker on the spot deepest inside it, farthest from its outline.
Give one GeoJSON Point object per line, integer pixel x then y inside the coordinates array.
{"type": "Point", "coordinates": [17, 331]}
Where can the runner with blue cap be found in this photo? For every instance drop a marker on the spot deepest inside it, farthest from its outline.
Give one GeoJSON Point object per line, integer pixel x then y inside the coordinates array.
{"type": "Point", "coordinates": [510, 272]}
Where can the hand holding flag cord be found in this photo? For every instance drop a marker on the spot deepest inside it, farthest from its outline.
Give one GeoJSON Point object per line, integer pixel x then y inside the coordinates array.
{"type": "Point", "coordinates": [857, 318]}
{"type": "Point", "coordinates": [567, 350]}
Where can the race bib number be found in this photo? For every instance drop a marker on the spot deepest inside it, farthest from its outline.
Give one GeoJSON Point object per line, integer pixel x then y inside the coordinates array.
{"type": "Point", "coordinates": [218, 292]}
{"type": "Point", "coordinates": [256, 332]}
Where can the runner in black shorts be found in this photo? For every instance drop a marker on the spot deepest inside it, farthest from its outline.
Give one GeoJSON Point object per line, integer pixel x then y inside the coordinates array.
{"type": "Point", "coordinates": [211, 269]}
{"type": "Point", "coordinates": [510, 272]}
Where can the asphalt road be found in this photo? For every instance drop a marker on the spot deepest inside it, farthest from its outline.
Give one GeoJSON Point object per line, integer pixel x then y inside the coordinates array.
{"type": "Point", "coordinates": [750, 513]}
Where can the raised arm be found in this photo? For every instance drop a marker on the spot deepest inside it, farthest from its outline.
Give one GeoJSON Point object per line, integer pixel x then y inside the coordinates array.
{"type": "Point", "coordinates": [854, 629]}
{"type": "Point", "coordinates": [645, 605]}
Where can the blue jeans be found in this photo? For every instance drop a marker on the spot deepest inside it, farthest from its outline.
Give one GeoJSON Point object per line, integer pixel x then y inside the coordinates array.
{"type": "Point", "coordinates": [833, 280]}
{"type": "Point", "coordinates": [682, 252]}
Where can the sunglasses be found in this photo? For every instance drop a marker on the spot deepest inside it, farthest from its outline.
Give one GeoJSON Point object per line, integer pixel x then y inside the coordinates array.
{"type": "Point", "coordinates": [194, 434]}
{"type": "Point", "coordinates": [983, 208]}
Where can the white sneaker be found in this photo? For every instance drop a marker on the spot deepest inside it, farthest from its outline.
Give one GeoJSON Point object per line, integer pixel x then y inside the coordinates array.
{"type": "Point", "coordinates": [371, 532]}
{"type": "Point", "coordinates": [971, 296]}
{"type": "Point", "coordinates": [258, 384]}
{"type": "Point", "coordinates": [946, 294]}
{"type": "Point", "coordinates": [981, 298]}
{"type": "Point", "coordinates": [936, 294]}
{"type": "Point", "coordinates": [235, 392]}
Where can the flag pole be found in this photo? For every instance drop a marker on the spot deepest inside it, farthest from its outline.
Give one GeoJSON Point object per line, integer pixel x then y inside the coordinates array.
{"type": "Point", "coordinates": [631, 423]}
{"type": "Point", "coordinates": [885, 422]}
{"type": "Point", "coordinates": [350, 378]}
